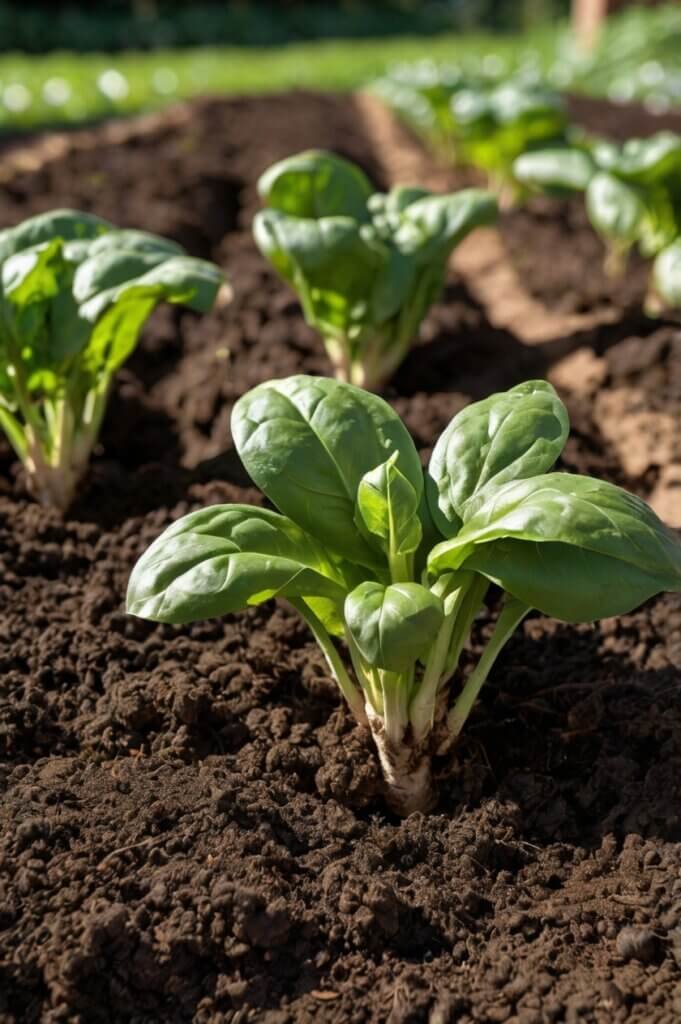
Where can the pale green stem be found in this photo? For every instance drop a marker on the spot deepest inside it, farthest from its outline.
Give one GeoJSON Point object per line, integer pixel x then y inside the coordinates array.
{"type": "Point", "coordinates": [60, 455]}
{"type": "Point", "coordinates": [33, 424]}
{"type": "Point", "coordinates": [367, 677]}
{"type": "Point", "coordinates": [395, 687]}
{"type": "Point", "coordinates": [511, 614]}
{"type": "Point", "coordinates": [88, 431]}
{"type": "Point", "coordinates": [333, 660]}
{"type": "Point", "coordinates": [14, 431]}
{"type": "Point", "coordinates": [339, 357]}
{"type": "Point", "coordinates": [401, 568]}
{"type": "Point", "coordinates": [422, 707]}
{"type": "Point", "coordinates": [465, 616]}
{"type": "Point", "coordinates": [616, 258]}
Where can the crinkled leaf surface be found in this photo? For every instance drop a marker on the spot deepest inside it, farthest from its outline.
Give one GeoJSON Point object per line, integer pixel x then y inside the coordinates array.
{"type": "Point", "coordinates": [511, 435]}
{"type": "Point", "coordinates": [397, 199]}
{"type": "Point", "coordinates": [394, 625]}
{"type": "Point", "coordinates": [86, 289]}
{"type": "Point", "coordinates": [308, 441]}
{"type": "Point", "coordinates": [224, 558]}
{"type": "Point", "coordinates": [433, 226]}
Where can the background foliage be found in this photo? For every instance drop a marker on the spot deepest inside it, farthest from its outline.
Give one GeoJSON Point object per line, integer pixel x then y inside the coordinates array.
{"type": "Point", "coordinates": [114, 25]}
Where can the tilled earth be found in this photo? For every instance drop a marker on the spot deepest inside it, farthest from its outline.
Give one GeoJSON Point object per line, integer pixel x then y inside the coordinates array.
{"type": "Point", "coordinates": [191, 826]}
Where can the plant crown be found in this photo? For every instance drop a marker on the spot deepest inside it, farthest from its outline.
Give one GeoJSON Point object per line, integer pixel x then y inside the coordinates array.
{"type": "Point", "coordinates": [396, 561]}
{"type": "Point", "coordinates": [366, 265]}
{"type": "Point", "coordinates": [74, 296]}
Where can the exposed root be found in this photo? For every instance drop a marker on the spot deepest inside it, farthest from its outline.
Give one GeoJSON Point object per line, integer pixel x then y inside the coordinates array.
{"type": "Point", "coordinates": [407, 772]}
{"type": "Point", "coordinates": [52, 487]}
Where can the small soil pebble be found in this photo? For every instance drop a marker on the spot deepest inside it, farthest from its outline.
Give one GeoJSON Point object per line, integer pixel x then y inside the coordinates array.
{"type": "Point", "coordinates": [637, 944]}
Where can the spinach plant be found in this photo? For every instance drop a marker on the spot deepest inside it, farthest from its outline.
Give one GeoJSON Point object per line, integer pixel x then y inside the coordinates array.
{"type": "Point", "coordinates": [421, 94]}
{"type": "Point", "coordinates": [495, 126]}
{"type": "Point", "coordinates": [366, 265]}
{"type": "Point", "coordinates": [74, 296]}
{"type": "Point", "coordinates": [632, 191]}
{"type": "Point", "coordinates": [476, 121]}
{"type": "Point", "coordinates": [395, 561]}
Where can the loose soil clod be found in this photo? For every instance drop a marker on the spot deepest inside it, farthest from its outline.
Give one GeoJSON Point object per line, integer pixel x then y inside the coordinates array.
{"type": "Point", "coordinates": [191, 826]}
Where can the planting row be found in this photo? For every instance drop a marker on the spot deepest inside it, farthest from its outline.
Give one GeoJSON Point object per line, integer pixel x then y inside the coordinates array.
{"type": "Point", "coordinates": [193, 825]}
{"type": "Point", "coordinates": [518, 133]}
{"type": "Point", "coordinates": [367, 546]}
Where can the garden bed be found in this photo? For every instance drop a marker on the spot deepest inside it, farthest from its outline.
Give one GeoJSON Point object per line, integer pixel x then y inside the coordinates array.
{"type": "Point", "coordinates": [191, 828]}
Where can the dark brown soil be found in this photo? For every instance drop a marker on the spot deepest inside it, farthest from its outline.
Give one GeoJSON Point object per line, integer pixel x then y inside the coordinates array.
{"type": "Point", "coordinates": [574, 279]}
{"type": "Point", "coordinates": [191, 827]}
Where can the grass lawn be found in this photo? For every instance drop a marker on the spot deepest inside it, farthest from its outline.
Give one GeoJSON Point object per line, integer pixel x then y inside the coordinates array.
{"type": "Point", "coordinates": [66, 88]}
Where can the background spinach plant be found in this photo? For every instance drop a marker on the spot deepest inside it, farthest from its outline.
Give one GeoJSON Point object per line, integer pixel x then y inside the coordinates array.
{"type": "Point", "coordinates": [366, 265]}
{"type": "Point", "coordinates": [74, 296]}
{"type": "Point", "coordinates": [396, 562]}
{"type": "Point", "coordinates": [477, 120]}
{"type": "Point", "coordinates": [632, 193]}
{"type": "Point", "coordinates": [494, 127]}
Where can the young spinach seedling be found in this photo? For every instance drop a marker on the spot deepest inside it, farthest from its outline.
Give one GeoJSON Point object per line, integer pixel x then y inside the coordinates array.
{"type": "Point", "coordinates": [366, 266]}
{"type": "Point", "coordinates": [396, 562]}
{"type": "Point", "coordinates": [74, 296]}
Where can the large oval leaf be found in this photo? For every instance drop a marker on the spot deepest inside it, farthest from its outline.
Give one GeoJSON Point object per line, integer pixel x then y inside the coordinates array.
{"type": "Point", "coordinates": [512, 435]}
{"type": "Point", "coordinates": [667, 273]}
{"type": "Point", "coordinates": [388, 508]}
{"type": "Point", "coordinates": [120, 310]}
{"type": "Point", "coordinates": [647, 161]}
{"type": "Point", "coordinates": [573, 547]}
{"type": "Point", "coordinates": [132, 240]}
{"type": "Point", "coordinates": [111, 268]}
{"type": "Point", "coordinates": [568, 583]}
{"type": "Point", "coordinates": [316, 184]}
{"type": "Point", "coordinates": [308, 441]}
{"type": "Point", "coordinates": [393, 626]}
{"type": "Point", "coordinates": [434, 225]}
{"type": "Point", "coordinates": [615, 208]}
{"type": "Point", "coordinates": [225, 557]}
{"type": "Point", "coordinates": [328, 262]}
{"type": "Point", "coordinates": [562, 169]}
{"type": "Point", "coordinates": [178, 279]}
{"type": "Point", "coordinates": [45, 227]}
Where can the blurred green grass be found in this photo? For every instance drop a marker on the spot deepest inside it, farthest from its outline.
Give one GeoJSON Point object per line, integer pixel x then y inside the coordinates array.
{"type": "Point", "coordinates": [66, 88]}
